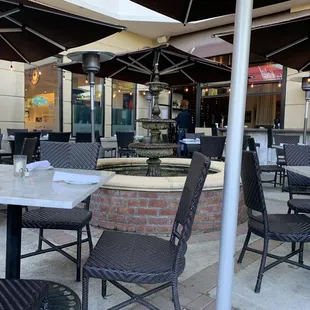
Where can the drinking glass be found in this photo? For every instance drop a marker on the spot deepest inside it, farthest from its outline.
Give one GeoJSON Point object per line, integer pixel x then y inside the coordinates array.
{"type": "Point", "coordinates": [20, 162]}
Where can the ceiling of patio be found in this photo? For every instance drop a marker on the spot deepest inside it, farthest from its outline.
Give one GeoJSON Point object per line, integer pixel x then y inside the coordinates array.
{"type": "Point", "coordinates": [153, 25]}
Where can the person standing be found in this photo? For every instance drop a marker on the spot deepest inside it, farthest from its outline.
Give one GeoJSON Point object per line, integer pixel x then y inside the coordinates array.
{"type": "Point", "coordinates": [184, 122]}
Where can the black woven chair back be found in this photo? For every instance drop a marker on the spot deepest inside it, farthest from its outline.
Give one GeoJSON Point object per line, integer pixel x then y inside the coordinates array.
{"type": "Point", "coordinates": [12, 131]}
{"type": "Point", "coordinates": [19, 141]}
{"type": "Point", "coordinates": [297, 155]}
{"type": "Point", "coordinates": [245, 142]}
{"type": "Point", "coordinates": [212, 147]}
{"type": "Point", "coordinates": [81, 137]}
{"type": "Point", "coordinates": [214, 131]}
{"type": "Point", "coordinates": [125, 138]}
{"type": "Point", "coordinates": [29, 148]}
{"type": "Point", "coordinates": [269, 138]}
{"type": "Point", "coordinates": [46, 131]}
{"type": "Point", "coordinates": [84, 155]}
{"type": "Point", "coordinates": [252, 145]}
{"type": "Point", "coordinates": [165, 138]}
{"type": "Point", "coordinates": [71, 155]}
{"type": "Point", "coordinates": [285, 139]}
{"type": "Point", "coordinates": [251, 182]}
{"type": "Point", "coordinates": [1, 136]}
{"type": "Point", "coordinates": [185, 216]}
{"type": "Point", "coordinates": [59, 136]}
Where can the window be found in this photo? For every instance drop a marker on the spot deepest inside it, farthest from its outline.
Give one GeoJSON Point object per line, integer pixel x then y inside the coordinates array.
{"type": "Point", "coordinates": [42, 97]}
{"type": "Point", "coordinates": [81, 112]}
{"type": "Point", "coordinates": [123, 106]}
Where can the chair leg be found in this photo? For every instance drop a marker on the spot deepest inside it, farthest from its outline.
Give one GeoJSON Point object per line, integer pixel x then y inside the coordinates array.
{"type": "Point", "coordinates": [78, 255]}
{"type": "Point", "coordinates": [40, 239]}
{"type": "Point", "coordinates": [275, 179]}
{"type": "Point", "coordinates": [246, 242]}
{"type": "Point", "coordinates": [90, 242]}
{"type": "Point", "coordinates": [301, 254]}
{"type": "Point", "coordinates": [85, 285]}
{"type": "Point", "coordinates": [175, 295]}
{"type": "Point", "coordinates": [104, 288]}
{"type": "Point", "coordinates": [262, 266]}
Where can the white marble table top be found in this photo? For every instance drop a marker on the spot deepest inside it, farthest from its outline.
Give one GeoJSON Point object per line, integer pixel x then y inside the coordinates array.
{"type": "Point", "coordinates": [38, 189]}
{"type": "Point", "coordinates": [302, 170]}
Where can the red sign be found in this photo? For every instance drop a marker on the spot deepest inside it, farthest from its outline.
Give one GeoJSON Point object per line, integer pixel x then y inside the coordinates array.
{"type": "Point", "coordinates": [270, 72]}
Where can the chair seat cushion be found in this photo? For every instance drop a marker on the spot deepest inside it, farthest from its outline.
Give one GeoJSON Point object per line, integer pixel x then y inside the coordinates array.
{"type": "Point", "coordinates": [53, 218]}
{"type": "Point", "coordinates": [132, 258]}
{"type": "Point", "coordinates": [283, 227]}
{"type": "Point", "coordinates": [270, 168]}
{"type": "Point", "coordinates": [22, 294]}
{"type": "Point", "coordinates": [299, 205]}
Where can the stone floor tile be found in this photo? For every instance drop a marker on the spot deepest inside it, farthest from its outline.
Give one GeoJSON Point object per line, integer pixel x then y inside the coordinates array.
{"type": "Point", "coordinates": [200, 303]}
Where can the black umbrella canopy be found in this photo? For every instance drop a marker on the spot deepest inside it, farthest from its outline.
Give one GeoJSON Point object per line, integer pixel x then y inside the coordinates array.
{"type": "Point", "coordinates": [193, 10]}
{"type": "Point", "coordinates": [176, 67]}
{"type": "Point", "coordinates": [30, 32]}
{"type": "Point", "coordinates": [287, 43]}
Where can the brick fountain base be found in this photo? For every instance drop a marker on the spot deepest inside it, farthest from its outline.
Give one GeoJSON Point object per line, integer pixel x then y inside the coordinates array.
{"type": "Point", "coordinates": [122, 205]}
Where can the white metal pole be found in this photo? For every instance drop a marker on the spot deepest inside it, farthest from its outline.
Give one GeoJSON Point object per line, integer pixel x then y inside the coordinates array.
{"type": "Point", "coordinates": [239, 81]}
{"type": "Point", "coordinates": [92, 104]}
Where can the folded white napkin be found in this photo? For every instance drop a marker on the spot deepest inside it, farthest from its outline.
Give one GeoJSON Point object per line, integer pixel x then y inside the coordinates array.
{"type": "Point", "coordinates": [38, 165]}
{"type": "Point", "coordinates": [75, 178]}
{"type": "Point", "coordinates": [11, 137]}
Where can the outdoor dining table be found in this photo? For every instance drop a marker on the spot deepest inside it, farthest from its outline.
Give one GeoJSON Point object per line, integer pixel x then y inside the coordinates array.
{"type": "Point", "coordinates": [37, 190]}
{"type": "Point", "coordinates": [302, 170]}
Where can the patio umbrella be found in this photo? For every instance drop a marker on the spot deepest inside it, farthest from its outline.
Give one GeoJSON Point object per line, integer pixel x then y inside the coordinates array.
{"type": "Point", "coordinates": [176, 67]}
{"type": "Point", "coordinates": [193, 10]}
{"type": "Point", "coordinates": [286, 43]}
{"type": "Point", "coordinates": [30, 32]}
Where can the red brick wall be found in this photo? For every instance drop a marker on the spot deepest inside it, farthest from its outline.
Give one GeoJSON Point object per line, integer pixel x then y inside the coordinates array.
{"type": "Point", "coordinates": [150, 212]}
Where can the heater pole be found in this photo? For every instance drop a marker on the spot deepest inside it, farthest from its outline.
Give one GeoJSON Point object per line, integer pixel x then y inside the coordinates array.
{"type": "Point", "coordinates": [92, 104]}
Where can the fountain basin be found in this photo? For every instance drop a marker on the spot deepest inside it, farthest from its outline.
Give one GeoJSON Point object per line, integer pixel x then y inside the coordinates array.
{"type": "Point", "coordinates": [148, 204]}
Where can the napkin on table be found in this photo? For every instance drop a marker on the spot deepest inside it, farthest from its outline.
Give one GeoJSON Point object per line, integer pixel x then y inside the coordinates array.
{"type": "Point", "coordinates": [74, 177]}
{"type": "Point", "coordinates": [38, 164]}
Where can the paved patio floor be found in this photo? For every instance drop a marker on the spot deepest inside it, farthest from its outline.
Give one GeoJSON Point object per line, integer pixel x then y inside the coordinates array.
{"type": "Point", "coordinates": [283, 287]}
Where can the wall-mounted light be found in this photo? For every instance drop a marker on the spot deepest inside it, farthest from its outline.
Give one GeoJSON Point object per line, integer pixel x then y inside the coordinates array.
{"type": "Point", "coordinates": [119, 90]}
{"type": "Point", "coordinates": [186, 90]}
{"type": "Point", "coordinates": [130, 94]}
{"type": "Point", "coordinates": [252, 85]}
{"type": "Point", "coordinates": [11, 67]}
{"type": "Point", "coordinates": [114, 95]}
{"type": "Point", "coordinates": [144, 93]}
{"type": "Point", "coordinates": [279, 84]}
{"type": "Point", "coordinates": [206, 90]}
{"type": "Point", "coordinates": [86, 80]}
{"type": "Point", "coordinates": [169, 92]}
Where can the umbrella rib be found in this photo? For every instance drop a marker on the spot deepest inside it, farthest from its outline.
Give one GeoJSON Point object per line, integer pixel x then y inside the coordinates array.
{"type": "Point", "coordinates": [10, 30]}
{"type": "Point", "coordinates": [122, 69]}
{"type": "Point", "coordinates": [188, 76]}
{"type": "Point", "coordinates": [304, 66]}
{"type": "Point", "coordinates": [14, 48]}
{"type": "Point", "coordinates": [285, 47]}
{"type": "Point", "coordinates": [173, 67]}
{"type": "Point", "coordinates": [36, 33]}
{"type": "Point", "coordinates": [139, 64]}
{"type": "Point", "coordinates": [165, 72]}
{"type": "Point", "coordinates": [131, 65]}
{"type": "Point", "coordinates": [8, 13]}
{"type": "Point", "coordinates": [188, 11]}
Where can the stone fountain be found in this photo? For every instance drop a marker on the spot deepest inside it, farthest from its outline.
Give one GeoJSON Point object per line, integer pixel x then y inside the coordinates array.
{"type": "Point", "coordinates": [155, 149]}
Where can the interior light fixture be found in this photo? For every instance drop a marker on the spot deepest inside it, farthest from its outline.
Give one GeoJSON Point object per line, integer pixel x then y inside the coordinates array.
{"type": "Point", "coordinates": [186, 90]}
{"type": "Point", "coordinates": [206, 90]}
{"type": "Point", "coordinates": [279, 84]}
{"type": "Point", "coordinates": [114, 95]}
{"type": "Point", "coordinates": [130, 94]}
{"type": "Point", "coordinates": [144, 93]}
{"type": "Point", "coordinates": [169, 92]}
{"type": "Point", "coordinates": [86, 80]}
{"type": "Point", "coordinates": [252, 85]}
{"type": "Point", "coordinates": [11, 67]}
{"type": "Point", "coordinates": [119, 90]}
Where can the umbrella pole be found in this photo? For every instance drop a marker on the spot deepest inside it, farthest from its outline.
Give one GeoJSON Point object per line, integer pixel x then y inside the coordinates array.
{"type": "Point", "coordinates": [304, 138]}
{"type": "Point", "coordinates": [239, 81]}
{"type": "Point", "coordinates": [92, 104]}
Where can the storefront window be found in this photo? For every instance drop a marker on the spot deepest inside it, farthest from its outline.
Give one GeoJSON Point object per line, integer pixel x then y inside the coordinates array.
{"type": "Point", "coordinates": [81, 112]}
{"type": "Point", "coordinates": [123, 106]}
{"type": "Point", "coordinates": [42, 97]}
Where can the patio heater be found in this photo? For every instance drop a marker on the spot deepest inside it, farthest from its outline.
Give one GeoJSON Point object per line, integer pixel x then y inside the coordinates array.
{"type": "Point", "coordinates": [305, 86]}
{"type": "Point", "coordinates": [91, 65]}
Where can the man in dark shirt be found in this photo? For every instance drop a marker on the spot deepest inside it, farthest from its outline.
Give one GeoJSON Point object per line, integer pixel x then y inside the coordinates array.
{"type": "Point", "coordinates": [183, 123]}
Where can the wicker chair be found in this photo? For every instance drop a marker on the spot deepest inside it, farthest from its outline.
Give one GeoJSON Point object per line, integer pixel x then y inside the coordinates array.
{"type": "Point", "coordinates": [142, 259]}
{"type": "Point", "coordinates": [29, 148]}
{"type": "Point", "coordinates": [285, 139]}
{"type": "Point", "coordinates": [12, 131]}
{"type": "Point", "coordinates": [81, 137]}
{"type": "Point", "coordinates": [23, 294]}
{"type": "Point", "coordinates": [280, 227]}
{"type": "Point", "coordinates": [59, 136]}
{"type": "Point", "coordinates": [73, 156]}
{"type": "Point", "coordinates": [123, 141]}
{"type": "Point", "coordinates": [212, 147]}
{"type": "Point", "coordinates": [267, 168]}
{"type": "Point", "coordinates": [298, 155]}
